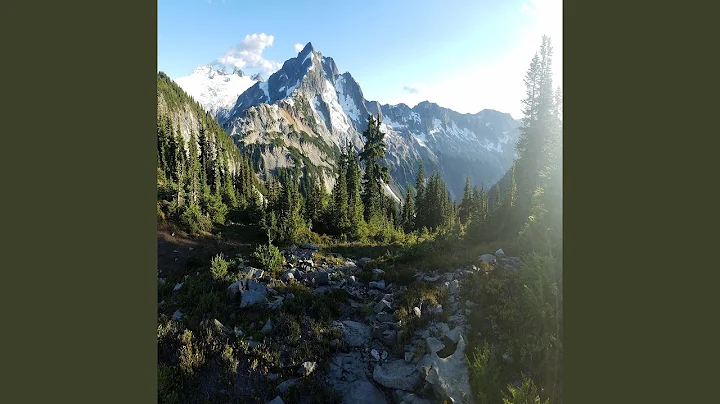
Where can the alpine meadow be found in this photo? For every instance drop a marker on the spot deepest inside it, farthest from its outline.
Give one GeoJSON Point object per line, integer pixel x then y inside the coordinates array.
{"type": "Point", "coordinates": [316, 246]}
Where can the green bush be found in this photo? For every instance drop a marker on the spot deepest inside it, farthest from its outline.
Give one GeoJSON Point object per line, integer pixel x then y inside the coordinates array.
{"type": "Point", "coordinates": [191, 356]}
{"type": "Point", "coordinates": [218, 267]}
{"type": "Point", "coordinates": [194, 221]}
{"type": "Point", "coordinates": [526, 394]}
{"type": "Point", "coordinates": [268, 257]}
{"type": "Point", "coordinates": [169, 384]}
{"type": "Point", "coordinates": [485, 374]}
{"type": "Point", "coordinates": [217, 210]}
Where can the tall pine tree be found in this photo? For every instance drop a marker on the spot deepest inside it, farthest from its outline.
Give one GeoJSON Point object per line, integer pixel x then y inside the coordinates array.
{"type": "Point", "coordinates": [373, 154]}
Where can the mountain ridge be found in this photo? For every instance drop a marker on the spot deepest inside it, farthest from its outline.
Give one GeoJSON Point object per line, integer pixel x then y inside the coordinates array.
{"type": "Point", "coordinates": [309, 95]}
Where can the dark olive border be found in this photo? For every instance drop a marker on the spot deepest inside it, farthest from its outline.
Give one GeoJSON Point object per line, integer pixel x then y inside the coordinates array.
{"type": "Point", "coordinates": [80, 156]}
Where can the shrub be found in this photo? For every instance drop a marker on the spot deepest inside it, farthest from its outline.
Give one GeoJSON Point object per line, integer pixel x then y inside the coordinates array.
{"type": "Point", "coordinates": [287, 328]}
{"type": "Point", "coordinates": [217, 209]}
{"type": "Point", "coordinates": [169, 384]}
{"type": "Point", "coordinates": [526, 394]}
{"type": "Point", "coordinates": [485, 374]}
{"type": "Point", "coordinates": [194, 221]}
{"type": "Point", "coordinates": [218, 267]}
{"type": "Point", "coordinates": [268, 257]}
{"type": "Point", "coordinates": [191, 356]}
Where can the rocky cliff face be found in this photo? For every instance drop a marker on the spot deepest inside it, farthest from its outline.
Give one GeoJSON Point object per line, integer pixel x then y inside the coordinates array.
{"type": "Point", "coordinates": [306, 110]}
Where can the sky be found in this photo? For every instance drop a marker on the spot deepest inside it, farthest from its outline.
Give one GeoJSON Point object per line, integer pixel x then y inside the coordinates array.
{"type": "Point", "coordinates": [466, 55]}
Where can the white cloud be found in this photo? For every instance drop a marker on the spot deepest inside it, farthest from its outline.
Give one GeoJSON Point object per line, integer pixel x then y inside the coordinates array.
{"type": "Point", "coordinates": [412, 89]}
{"type": "Point", "coordinates": [497, 83]}
{"type": "Point", "coordinates": [298, 47]}
{"type": "Point", "coordinates": [248, 54]}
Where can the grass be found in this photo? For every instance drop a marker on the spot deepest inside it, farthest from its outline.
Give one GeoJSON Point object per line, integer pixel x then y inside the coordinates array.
{"type": "Point", "coordinates": [429, 294]}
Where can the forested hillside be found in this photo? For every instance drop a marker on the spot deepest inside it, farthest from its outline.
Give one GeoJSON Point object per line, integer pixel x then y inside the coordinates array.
{"type": "Point", "coordinates": [274, 288]}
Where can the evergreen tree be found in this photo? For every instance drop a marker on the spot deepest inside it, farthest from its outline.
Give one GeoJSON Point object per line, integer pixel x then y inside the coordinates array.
{"type": "Point", "coordinates": [537, 124]}
{"type": "Point", "coordinates": [484, 205]}
{"type": "Point", "coordinates": [355, 206]}
{"type": "Point", "coordinates": [420, 198]}
{"type": "Point", "coordinates": [193, 168]}
{"type": "Point", "coordinates": [228, 190]}
{"type": "Point", "coordinates": [498, 200]}
{"type": "Point", "coordinates": [408, 211]}
{"type": "Point", "coordinates": [372, 155]}
{"type": "Point", "coordinates": [512, 189]}
{"type": "Point", "coordinates": [465, 208]}
{"type": "Point", "coordinates": [339, 216]}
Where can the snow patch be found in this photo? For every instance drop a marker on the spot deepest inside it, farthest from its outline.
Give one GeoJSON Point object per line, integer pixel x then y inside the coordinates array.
{"type": "Point", "coordinates": [291, 89]}
{"type": "Point", "coordinates": [315, 105]}
{"type": "Point", "coordinates": [390, 192]}
{"type": "Point", "coordinates": [421, 138]}
{"type": "Point", "coordinates": [213, 90]}
{"type": "Point", "coordinates": [264, 88]}
{"type": "Point", "coordinates": [347, 103]}
{"type": "Point", "coordinates": [338, 118]}
{"type": "Point", "coordinates": [415, 117]}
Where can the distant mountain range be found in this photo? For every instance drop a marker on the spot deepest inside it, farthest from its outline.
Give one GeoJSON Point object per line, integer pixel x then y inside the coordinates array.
{"type": "Point", "coordinates": [306, 110]}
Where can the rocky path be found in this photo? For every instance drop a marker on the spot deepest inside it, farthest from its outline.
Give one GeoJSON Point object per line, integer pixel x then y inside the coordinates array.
{"type": "Point", "coordinates": [431, 368]}
{"type": "Point", "coordinates": [383, 359]}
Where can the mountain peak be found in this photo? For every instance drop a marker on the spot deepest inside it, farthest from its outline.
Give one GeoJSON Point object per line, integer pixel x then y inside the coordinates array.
{"type": "Point", "coordinates": [239, 72]}
{"type": "Point", "coordinates": [257, 77]}
{"type": "Point", "coordinates": [307, 49]}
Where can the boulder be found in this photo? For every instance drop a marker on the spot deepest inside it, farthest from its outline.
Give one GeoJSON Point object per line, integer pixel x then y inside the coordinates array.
{"type": "Point", "coordinates": [177, 315]}
{"type": "Point", "coordinates": [398, 374]}
{"type": "Point", "coordinates": [267, 329]}
{"type": "Point", "coordinates": [177, 286]}
{"type": "Point", "coordinates": [454, 285]}
{"type": "Point", "coordinates": [322, 278]}
{"type": "Point", "coordinates": [285, 386]}
{"type": "Point", "coordinates": [409, 356]}
{"type": "Point", "coordinates": [406, 397]}
{"type": "Point", "coordinates": [377, 285]}
{"type": "Point", "coordinates": [347, 376]}
{"type": "Point", "coordinates": [434, 345]}
{"type": "Point", "coordinates": [253, 273]}
{"type": "Point", "coordinates": [276, 400]}
{"type": "Point", "coordinates": [383, 305]}
{"type": "Point", "coordinates": [384, 317]}
{"type": "Point", "coordinates": [363, 261]}
{"type": "Point", "coordinates": [454, 335]}
{"type": "Point", "coordinates": [389, 337]}
{"type": "Point", "coordinates": [355, 334]}
{"type": "Point", "coordinates": [277, 303]}
{"type": "Point", "coordinates": [487, 258]}
{"type": "Point", "coordinates": [288, 276]}
{"type": "Point", "coordinates": [255, 293]}
{"type": "Point", "coordinates": [377, 273]}
{"type": "Point", "coordinates": [416, 311]}
{"type": "Point", "coordinates": [449, 376]}
{"type": "Point", "coordinates": [234, 288]}
{"type": "Point", "coordinates": [500, 253]}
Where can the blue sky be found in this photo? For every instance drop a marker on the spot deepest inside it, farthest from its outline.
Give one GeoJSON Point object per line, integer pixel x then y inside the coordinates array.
{"type": "Point", "coordinates": [467, 55]}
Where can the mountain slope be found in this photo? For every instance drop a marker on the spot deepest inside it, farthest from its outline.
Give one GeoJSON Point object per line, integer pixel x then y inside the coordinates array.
{"type": "Point", "coordinates": [306, 110]}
